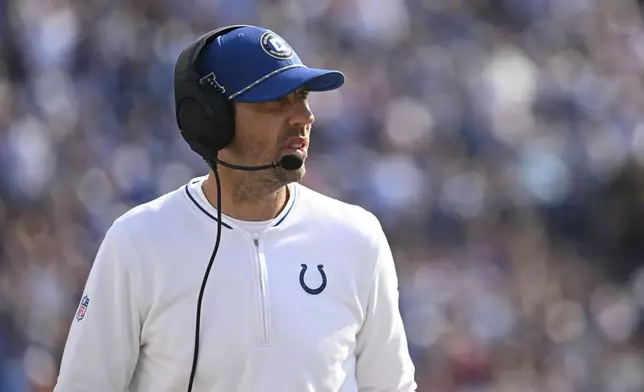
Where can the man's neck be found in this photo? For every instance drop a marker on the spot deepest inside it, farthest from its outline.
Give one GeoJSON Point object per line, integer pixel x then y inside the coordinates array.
{"type": "Point", "coordinates": [243, 199]}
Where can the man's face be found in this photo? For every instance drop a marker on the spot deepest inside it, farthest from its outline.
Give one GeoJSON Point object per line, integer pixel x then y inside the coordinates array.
{"type": "Point", "coordinates": [267, 131]}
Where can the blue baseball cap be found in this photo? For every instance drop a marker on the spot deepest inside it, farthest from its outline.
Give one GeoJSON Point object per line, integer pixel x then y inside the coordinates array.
{"type": "Point", "coordinates": [253, 64]}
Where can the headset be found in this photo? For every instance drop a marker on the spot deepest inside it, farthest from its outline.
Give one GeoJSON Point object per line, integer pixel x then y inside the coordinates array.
{"type": "Point", "coordinates": [204, 115]}
{"type": "Point", "coordinates": [206, 120]}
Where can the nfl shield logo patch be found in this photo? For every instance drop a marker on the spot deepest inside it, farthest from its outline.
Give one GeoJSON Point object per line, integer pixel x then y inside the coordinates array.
{"type": "Point", "coordinates": [82, 308]}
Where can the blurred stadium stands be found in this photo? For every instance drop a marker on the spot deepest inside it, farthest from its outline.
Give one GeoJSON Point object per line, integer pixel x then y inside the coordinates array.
{"type": "Point", "coordinates": [501, 143]}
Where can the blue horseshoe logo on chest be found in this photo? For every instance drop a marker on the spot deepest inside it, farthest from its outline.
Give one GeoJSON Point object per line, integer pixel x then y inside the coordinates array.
{"type": "Point", "coordinates": [307, 288]}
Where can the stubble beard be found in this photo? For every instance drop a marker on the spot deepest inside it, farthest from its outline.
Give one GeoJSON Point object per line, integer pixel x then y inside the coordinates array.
{"type": "Point", "coordinates": [252, 187]}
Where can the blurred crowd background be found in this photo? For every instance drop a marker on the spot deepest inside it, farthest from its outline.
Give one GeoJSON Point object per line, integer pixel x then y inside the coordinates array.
{"type": "Point", "coordinates": [500, 142]}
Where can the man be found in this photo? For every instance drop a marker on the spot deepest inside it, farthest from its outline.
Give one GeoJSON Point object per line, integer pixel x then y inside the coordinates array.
{"type": "Point", "coordinates": [302, 295]}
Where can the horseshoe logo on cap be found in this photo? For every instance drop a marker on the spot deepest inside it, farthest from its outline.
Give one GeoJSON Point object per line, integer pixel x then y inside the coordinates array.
{"type": "Point", "coordinates": [307, 288]}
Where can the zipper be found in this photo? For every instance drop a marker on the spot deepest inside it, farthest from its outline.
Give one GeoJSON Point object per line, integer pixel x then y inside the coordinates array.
{"type": "Point", "coordinates": [263, 291]}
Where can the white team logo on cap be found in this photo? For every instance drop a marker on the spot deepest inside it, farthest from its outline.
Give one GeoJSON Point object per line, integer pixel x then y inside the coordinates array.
{"type": "Point", "coordinates": [275, 46]}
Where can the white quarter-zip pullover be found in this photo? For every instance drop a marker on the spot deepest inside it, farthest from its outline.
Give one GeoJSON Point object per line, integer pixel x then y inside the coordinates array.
{"type": "Point", "coordinates": [307, 302]}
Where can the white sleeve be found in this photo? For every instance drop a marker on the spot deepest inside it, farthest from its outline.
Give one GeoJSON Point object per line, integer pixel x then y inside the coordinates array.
{"type": "Point", "coordinates": [103, 343]}
{"type": "Point", "coordinates": [383, 360]}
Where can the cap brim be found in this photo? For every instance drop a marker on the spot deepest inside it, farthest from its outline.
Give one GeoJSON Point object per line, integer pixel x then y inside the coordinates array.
{"type": "Point", "coordinates": [289, 80]}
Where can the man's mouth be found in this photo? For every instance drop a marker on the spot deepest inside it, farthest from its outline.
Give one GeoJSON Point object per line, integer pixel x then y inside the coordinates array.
{"type": "Point", "coordinates": [297, 144]}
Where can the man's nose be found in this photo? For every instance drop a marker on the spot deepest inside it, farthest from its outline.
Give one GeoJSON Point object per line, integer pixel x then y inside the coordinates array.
{"type": "Point", "coordinates": [302, 114]}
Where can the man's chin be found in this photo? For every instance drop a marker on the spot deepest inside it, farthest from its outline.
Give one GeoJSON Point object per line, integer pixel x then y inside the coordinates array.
{"type": "Point", "coordinates": [288, 176]}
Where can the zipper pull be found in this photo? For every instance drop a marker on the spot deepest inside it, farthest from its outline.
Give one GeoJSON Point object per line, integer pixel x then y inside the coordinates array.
{"type": "Point", "coordinates": [256, 241]}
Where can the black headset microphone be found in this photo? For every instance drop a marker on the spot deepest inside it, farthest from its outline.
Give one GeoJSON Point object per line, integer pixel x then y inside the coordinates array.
{"type": "Point", "coordinates": [205, 118]}
{"type": "Point", "coordinates": [289, 162]}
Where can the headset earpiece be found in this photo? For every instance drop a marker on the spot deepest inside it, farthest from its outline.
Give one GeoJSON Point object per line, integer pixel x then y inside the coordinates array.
{"type": "Point", "coordinates": [204, 116]}
{"type": "Point", "coordinates": [205, 119]}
